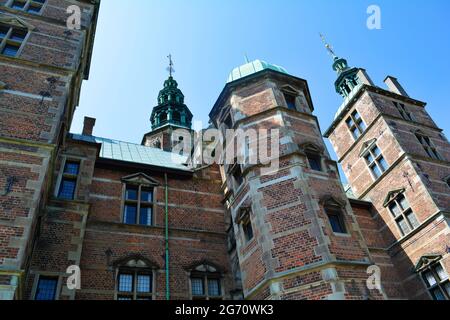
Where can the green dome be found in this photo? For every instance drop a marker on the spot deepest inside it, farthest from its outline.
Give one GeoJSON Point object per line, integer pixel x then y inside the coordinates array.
{"type": "Point", "coordinates": [251, 68]}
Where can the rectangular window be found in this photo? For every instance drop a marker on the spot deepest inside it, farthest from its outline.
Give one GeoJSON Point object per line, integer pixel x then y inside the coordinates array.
{"type": "Point", "coordinates": [138, 208]}
{"type": "Point", "coordinates": [356, 125]}
{"type": "Point", "coordinates": [69, 180]}
{"type": "Point", "coordinates": [403, 111]}
{"type": "Point", "coordinates": [247, 229]}
{"type": "Point", "coordinates": [336, 221]}
{"type": "Point", "coordinates": [315, 161]}
{"type": "Point", "coordinates": [134, 285]}
{"type": "Point", "coordinates": [11, 39]}
{"type": "Point", "coordinates": [237, 175]}
{"type": "Point", "coordinates": [290, 101]}
{"type": "Point", "coordinates": [46, 288]}
{"type": "Point", "coordinates": [206, 287]}
{"type": "Point", "coordinates": [403, 215]}
{"type": "Point", "coordinates": [428, 146]}
{"type": "Point", "coordinates": [376, 162]}
{"type": "Point", "coordinates": [30, 6]}
{"type": "Point", "coordinates": [437, 282]}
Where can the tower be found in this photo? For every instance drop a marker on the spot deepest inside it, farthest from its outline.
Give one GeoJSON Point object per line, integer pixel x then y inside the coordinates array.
{"type": "Point", "coordinates": [170, 114]}
{"type": "Point", "coordinates": [296, 234]}
{"type": "Point", "coordinates": [42, 65]}
{"type": "Point", "coordinates": [395, 156]}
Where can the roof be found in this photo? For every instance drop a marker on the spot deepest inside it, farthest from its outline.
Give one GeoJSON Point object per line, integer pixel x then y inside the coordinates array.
{"type": "Point", "coordinates": [251, 68]}
{"type": "Point", "coordinates": [136, 153]}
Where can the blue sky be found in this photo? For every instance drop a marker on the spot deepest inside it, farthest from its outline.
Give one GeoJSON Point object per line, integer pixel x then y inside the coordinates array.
{"type": "Point", "coordinates": [208, 38]}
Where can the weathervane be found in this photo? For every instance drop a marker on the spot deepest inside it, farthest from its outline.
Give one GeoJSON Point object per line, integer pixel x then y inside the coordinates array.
{"type": "Point", "coordinates": [170, 68]}
{"type": "Point", "coordinates": [328, 46]}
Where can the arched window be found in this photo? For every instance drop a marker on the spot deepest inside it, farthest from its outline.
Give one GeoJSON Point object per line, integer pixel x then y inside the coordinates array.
{"type": "Point", "coordinates": [135, 279]}
{"type": "Point", "coordinates": [206, 282]}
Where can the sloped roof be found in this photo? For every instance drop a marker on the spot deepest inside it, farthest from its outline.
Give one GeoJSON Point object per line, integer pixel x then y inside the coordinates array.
{"type": "Point", "coordinates": [135, 153]}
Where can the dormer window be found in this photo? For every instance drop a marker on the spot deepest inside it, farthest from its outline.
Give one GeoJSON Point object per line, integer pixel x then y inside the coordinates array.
{"type": "Point", "coordinates": [290, 101]}
{"type": "Point", "coordinates": [406, 115]}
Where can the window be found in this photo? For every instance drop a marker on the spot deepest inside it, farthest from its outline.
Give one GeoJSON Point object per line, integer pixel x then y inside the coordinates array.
{"type": "Point", "coordinates": [30, 6]}
{"type": "Point", "coordinates": [437, 282]}
{"type": "Point", "coordinates": [138, 208]}
{"type": "Point", "coordinates": [403, 112]}
{"type": "Point", "coordinates": [336, 220]}
{"type": "Point", "coordinates": [11, 40]}
{"type": "Point", "coordinates": [244, 220]}
{"type": "Point", "coordinates": [403, 215]}
{"type": "Point", "coordinates": [376, 162]}
{"type": "Point", "coordinates": [176, 116]}
{"type": "Point", "coordinates": [134, 284]}
{"type": "Point", "coordinates": [356, 125]}
{"type": "Point", "coordinates": [428, 146]}
{"type": "Point", "coordinates": [46, 288]}
{"type": "Point", "coordinates": [315, 161]}
{"type": "Point", "coordinates": [206, 283]}
{"type": "Point", "coordinates": [162, 117]}
{"type": "Point", "coordinates": [69, 179]}
{"type": "Point", "coordinates": [237, 175]}
{"type": "Point", "coordinates": [290, 101]}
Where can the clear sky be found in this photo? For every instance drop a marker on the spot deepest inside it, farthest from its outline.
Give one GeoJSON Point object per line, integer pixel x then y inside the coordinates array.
{"type": "Point", "coordinates": [208, 38]}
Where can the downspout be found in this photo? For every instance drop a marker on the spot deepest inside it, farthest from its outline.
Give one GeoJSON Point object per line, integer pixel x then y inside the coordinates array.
{"type": "Point", "coordinates": [167, 235]}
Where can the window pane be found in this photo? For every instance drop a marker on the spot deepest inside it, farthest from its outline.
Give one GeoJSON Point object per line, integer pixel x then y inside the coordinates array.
{"type": "Point", "coordinates": [46, 289]}
{"type": "Point", "coordinates": [395, 209]}
{"type": "Point", "coordinates": [144, 284]}
{"type": "Point", "coordinates": [429, 278]}
{"type": "Point", "coordinates": [72, 168]}
{"type": "Point", "coordinates": [441, 272]}
{"type": "Point", "coordinates": [34, 9]}
{"type": "Point", "coordinates": [350, 122]}
{"type": "Point", "coordinates": [197, 287]}
{"type": "Point", "coordinates": [18, 35]}
{"type": "Point", "coordinates": [18, 5]}
{"type": "Point", "coordinates": [67, 189]}
{"type": "Point", "coordinates": [356, 115]}
{"type": "Point", "coordinates": [10, 50]}
{"type": "Point", "coordinates": [315, 162]}
{"type": "Point", "coordinates": [124, 298]}
{"type": "Point", "coordinates": [355, 132]}
{"type": "Point", "coordinates": [146, 195]}
{"type": "Point", "coordinates": [3, 31]}
{"type": "Point", "coordinates": [214, 288]}
{"type": "Point", "coordinates": [447, 288]}
{"type": "Point", "coordinates": [125, 282]}
{"type": "Point", "coordinates": [412, 219]}
{"type": "Point", "coordinates": [130, 215]}
{"type": "Point", "coordinates": [369, 158]}
{"type": "Point", "coordinates": [376, 171]}
{"type": "Point", "coordinates": [376, 151]}
{"type": "Point", "coordinates": [383, 164]}
{"type": "Point", "coordinates": [131, 193]}
{"type": "Point", "coordinates": [404, 226]}
{"type": "Point", "coordinates": [145, 218]}
{"type": "Point", "coordinates": [362, 125]}
{"type": "Point", "coordinates": [248, 230]}
{"type": "Point", "coordinates": [336, 223]}
{"type": "Point", "coordinates": [403, 202]}
{"type": "Point", "coordinates": [438, 295]}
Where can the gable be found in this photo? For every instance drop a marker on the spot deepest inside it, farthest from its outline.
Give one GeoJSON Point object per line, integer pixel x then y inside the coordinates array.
{"type": "Point", "coordinates": [392, 195]}
{"type": "Point", "coordinates": [426, 261]}
{"type": "Point", "coordinates": [366, 146]}
{"type": "Point", "coordinates": [140, 179]}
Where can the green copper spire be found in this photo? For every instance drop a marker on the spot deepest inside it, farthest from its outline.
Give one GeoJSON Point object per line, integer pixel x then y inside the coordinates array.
{"type": "Point", "coordinates": [171, 109]}
{"type": "Point", "coordinates": [347, 77]}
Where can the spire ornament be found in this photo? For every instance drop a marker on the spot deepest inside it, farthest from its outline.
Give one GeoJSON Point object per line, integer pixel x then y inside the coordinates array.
{"type": "Point", "coordinates": [170, 68]}
{"type": "Point", "coordinates": [328, 46]}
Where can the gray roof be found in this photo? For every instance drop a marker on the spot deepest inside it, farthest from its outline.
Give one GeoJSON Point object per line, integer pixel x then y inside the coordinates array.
{"type": "Point", "coordinates": [135, 153]}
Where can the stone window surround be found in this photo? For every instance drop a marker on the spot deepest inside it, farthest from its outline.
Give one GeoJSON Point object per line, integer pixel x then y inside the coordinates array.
{"type": "Point", "coordinates": [431, 262]}
{"type": "Point", "coordinates": [427, 144]}
{"type": "Point", "coordinates": [403, 213]}
{"type": "Point", "coordinates": [136, 265]}
{"type": "Point", "coordinates": [148, 183]}
{"type": "Point", "coordinates": [47, 274]}
{"type": "Point", "coordinates": [22, 44]}
{"type": "Point", "coordinates": [311, 149]}
{"type": "Point", "coordinates": [205, 271]}
{"type": "Point", "coordinates": [356, 123]}
{"type": "Point", "coordinates": [330, 204]}
{"type": "Point", "coordinates": [244, 217]}
{"type": "Point", "coordinates": [66, 159]}
{"type": "Point", "coordinates": [376, 159]}
{"type": "Point", "coordinates": [9, 4]}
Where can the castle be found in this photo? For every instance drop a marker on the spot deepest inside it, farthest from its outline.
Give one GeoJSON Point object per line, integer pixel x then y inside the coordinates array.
{"type": "Point", "coordinates": [143, 223]}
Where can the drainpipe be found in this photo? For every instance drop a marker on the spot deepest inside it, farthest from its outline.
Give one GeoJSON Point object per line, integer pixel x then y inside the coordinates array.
{"type": "Point", "coordinates": [167, 236]}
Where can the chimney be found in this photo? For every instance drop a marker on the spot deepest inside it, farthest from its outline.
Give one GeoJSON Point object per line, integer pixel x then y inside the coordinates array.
{"type": "Point", "coordinates": [364, 77]}
{"type": "Point", "coordinates": [88, 127]}
{"type": "Point", "coordinates": [395, 86]}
